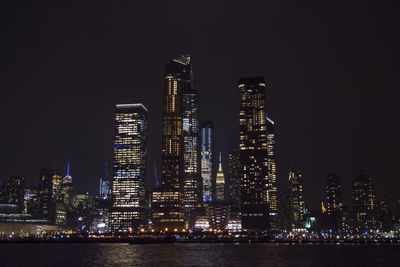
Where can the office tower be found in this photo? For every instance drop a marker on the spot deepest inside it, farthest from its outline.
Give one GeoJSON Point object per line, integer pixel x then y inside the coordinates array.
{"type": "Point", "coordinates": [31, 202]}
{"type": "Point", "coordinates": [192, 188]}
{"type": "Point", "coordinates": [128, 210]}
{"type": "Point", "coordinates": [365, 217]}
{"type": "Point", "coordinates": [207, 158]}
{"type": "Point", "coordinates": [334, 201]}
{"type": "Point", "coordinates": [168, 202]}
{"type": "Point", "coordinates": [14, 191]}
{"type": "Point", "coordinates": [234, 178]}
{"type": "Point", "coordinates": [220, 182]}
{"type": "Point", "coordinates": [67, 190]}
{"type": "Point", "coordinates": [253, 154]}
{"type": "Point", "coordinates": [104, 188]}
{"type": "Point", "coordinates": [296, 204]}
{"type": "Point", "coordinates": [272, 190]}
{"type": "Point", "coordinates": [48, 193]}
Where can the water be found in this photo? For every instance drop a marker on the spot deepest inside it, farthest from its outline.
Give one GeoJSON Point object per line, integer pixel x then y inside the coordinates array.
{"type": "Point", "coordinates": [199, 255]}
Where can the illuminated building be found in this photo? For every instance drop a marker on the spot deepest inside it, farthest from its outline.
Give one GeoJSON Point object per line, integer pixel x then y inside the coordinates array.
{"type": "Point", "coordinates": [128, 184]}
{"type": "Point", "coordinates": [207, 158]}
{"type": "Point", "coordinates": [104, 188]}
{"type": "Point", "coordinates": [48, 193]}
{"type": "Point", "coordinates": [168, 201]}
{"type": "Point", "coordinates": [14, 191]}
{"type": "Point", "coordinates": [192, 187]}
{"type": "Point", "coordinates": [297, 208]}
{"type": "Point", "coordinates": [272, 190]}
{"type": "Point", "coordinates": [334, 201]}
{"type": "Point", "coordinates": [253, 154]}
{"type": "Point", "coordinates": [218, 214]}
{"type": "Point", "coordinates": [364, 206]}
{"type": "Point", "coordinates": [31, 202]}
{"type": "Point", "coordinates": [234, 178]}
{"type": "Point", "coordinates": [220, 182]}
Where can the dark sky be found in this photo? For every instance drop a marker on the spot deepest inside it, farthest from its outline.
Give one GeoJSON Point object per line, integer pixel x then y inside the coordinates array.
{"type": "Point", "coordinates": [332, 71]}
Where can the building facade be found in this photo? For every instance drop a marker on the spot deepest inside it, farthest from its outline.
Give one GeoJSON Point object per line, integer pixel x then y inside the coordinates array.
{"type": "Point", "coordinates": [272, 189]}
{"type": "Point", "coordinates": [334, 201]}
{"type": "Point", "coordinates": [297, 209]}
{"type": "Point", "coordinates": [253, 154]}
{"type": "Point", "coordinates": [220, 182]}
{"type": "Point", "coordinates": [234, 178]}
{"type": "Point", "coordinates": [207, 158]}
{"type": "Point", "coordinates": [128, 210]}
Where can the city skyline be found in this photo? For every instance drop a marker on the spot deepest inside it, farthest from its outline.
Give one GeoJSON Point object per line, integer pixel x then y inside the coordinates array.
{"type": "Point", "coordinates": [326, 111]}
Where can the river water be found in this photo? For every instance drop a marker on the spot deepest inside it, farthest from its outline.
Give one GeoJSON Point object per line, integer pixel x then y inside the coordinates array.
{"type": "Point", "coordinates": [199, 255]}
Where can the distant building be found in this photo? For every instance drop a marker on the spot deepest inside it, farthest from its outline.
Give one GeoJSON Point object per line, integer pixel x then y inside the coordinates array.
{"type": "Point", "coordinates": [296, 203]}
{"type": "Point", "coordinates": [334, 201]}
{"type": "Point", "coordinates": [104, 187]}
{"type": "Point", "coordinates": [364, 206]}
{"type": "Point", "coordinates": [49, 188]}
{"type": "Point", "coordinates": [253, 154]}
{"type": "Point", "coordinates": [220, 182]}
{"type": "Point", "coordinates": [207, 158]}
{"type": "Point", "coordinates": [14, 191]}
{"type": "Point", "coordinates": [272, 189]}
{"type": "Point", "coordinates": [129, 173]}
{"type": "Point", "coordinates": [234, 178]}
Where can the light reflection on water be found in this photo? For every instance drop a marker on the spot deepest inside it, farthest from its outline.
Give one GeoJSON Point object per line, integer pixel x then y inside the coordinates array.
{"type": "Point", "coordinates": [198, 255]}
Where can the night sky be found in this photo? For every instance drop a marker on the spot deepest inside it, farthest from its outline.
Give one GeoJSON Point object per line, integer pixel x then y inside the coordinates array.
{"type": "Point", "coordinates": [332, 72]}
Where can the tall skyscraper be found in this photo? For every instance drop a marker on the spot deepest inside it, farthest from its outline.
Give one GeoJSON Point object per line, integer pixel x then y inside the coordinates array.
{"type": "Point", "coordinates": [192, 188]}
{"type": "Point", "coordinates": [334, 201]}
{"type": "Point", "coordinates": [364, 206]}
{"type": "Point", "coordinates": [104, 186]}
{"type": "Point", "coordinates": [296, 203]}
{"type": "Point", "coordinates": [272, 189]}
{"type": "Point", "coordinates": [47, 193]}
{"type": "Point", "coordinates": [168, 201]}
{"type": "Point", "coordinates": [129, 172]}
{"type": "Point", "coordinates": [220, 182]}
{"type": "Point", "coordinates": [253, 154]}
{"type": "Point", "coordinates": [234, 178]}
{"type": "Point", "coordinates": [207, 158]}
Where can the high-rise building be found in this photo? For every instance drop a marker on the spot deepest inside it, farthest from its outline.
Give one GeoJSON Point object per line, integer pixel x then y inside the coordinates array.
{"type": "Point", "coordinates": [364, 206]}
{"type": "Point", "coordinates": [129, 172]}
{"type": "Point", "coordinates": [104, 187]}
{"type": "Point", "coordinates": [272, 190]}
{"type": "Point", "coordinates": [234, 178]}
{"type": "Point", "coordinates": [207, 158]}
{"type": "Point", "coordinates": [220, 182]}
{"type": "Point", "coordinates": [334, 201]}
{"type": "Point", "coordinates": [192, 187]}
{"type": "Point", "coordinates": [47, 193]}
{"type": "Point", "coordinates": [253, 154]}
{"type": "Point", "coordinates": [168, 200]}
{"type": "Point", "coordinates": [296, 203]}
{"type": "Point", "coordinates": [14, 191]}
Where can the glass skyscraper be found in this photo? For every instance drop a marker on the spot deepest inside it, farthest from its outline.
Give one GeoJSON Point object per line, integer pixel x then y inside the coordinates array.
{"type": "Point", "coordinates": [128, 210]}
{"type": "Point", "coordinates": [297, 209]}
{"type": "Point", "coordinates": [272, 190]}
{"type": "Point", "coordinates": [253, 154]}
{"type": "Point", "coordinates": [207, 158]}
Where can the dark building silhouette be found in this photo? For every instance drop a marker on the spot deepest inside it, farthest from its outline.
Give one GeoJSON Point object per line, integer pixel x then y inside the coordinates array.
{"type": "Point", "coordinates": [364, 206]}
{"type": "Point", "coordinates": [334, 202]}
{"type": "Point", "coordinates": [49, 185]}
{"type": "Point", "coordinates": [253, 154]}
{"type": "Point", "coordinates": [272, 189]}
{"type": "Point", "coordinates": [129, 208]}
{"type": "Point", "coordinates": [234, 170]}
{"type": "Point", "coordinates": [296, 203]}
{"type": "Point", "coordinates": [13, 191]}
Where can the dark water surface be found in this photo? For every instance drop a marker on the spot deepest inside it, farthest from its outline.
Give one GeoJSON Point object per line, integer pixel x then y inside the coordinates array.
{"type": "Point", "coordinates": [199, 254]}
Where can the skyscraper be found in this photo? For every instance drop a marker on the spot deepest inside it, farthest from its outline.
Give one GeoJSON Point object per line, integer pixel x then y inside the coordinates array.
{"type": "Point", "coordinates": [129, 172]}
{"type": "Point", "coordinates": [272, 190]}
{"type": "Point", "coordinates": [234, 178]}
{"type": "Point", "coordinates": [253, 154]}
{"type": "Point", "coordinates": [296, 204]}
{"type": "Point", "coordinates": [207, 158]}
{"type": "Point", "coordinates": [220, 182]}
{"type": "Point", "coordinates": [168, 201]}
{"type": "Point", "coordinates": [47, 191]}
{"type": "Point", "coordinates": [364, 206]}
{"type": "Point", "coordinates": [14, 191]}
{"type": "Point", "coordinates": [334, 201]}
{"type": "Point", "coordinates": [192, 188]}
{"type": "Point", "coordinates": [104, 187]}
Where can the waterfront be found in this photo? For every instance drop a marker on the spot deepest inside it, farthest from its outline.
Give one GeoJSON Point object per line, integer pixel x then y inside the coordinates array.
{"type": "Point", "coordinates": [122, 254]}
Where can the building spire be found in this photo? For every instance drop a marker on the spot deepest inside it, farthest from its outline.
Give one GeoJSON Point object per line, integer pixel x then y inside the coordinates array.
{"type": "Point", "coordinates": [220, 162]}
{"type": "Point", "coordinates": [68, 169]}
